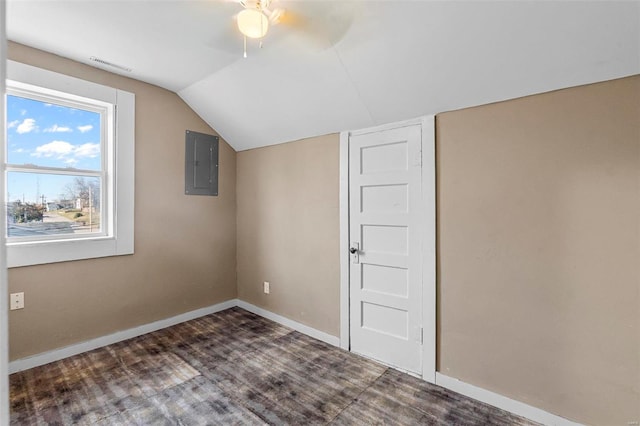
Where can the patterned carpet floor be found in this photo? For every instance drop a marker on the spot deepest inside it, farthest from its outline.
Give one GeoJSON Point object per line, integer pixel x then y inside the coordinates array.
{"type": "Point", "coordinates": [234, 367]}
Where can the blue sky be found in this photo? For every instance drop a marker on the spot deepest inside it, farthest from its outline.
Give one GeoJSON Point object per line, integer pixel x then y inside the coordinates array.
{"type": "Point", "coordinates": [48, 135]}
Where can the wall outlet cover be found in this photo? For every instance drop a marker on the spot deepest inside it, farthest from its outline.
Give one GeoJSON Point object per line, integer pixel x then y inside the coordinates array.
{"type": "Point", "coordinates": [16, 301]}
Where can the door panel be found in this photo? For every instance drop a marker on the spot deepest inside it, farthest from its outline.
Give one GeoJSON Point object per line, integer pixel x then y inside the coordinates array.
{"type": "Point", "coordinates": [384, 215]}
{"type": "Point", "coordinates": [385, 199]}
{"type": "Point", "coordinates": [385, 279]}
{"type": "Point", "coordinates": [384, 158]}
{"type": "Point", "coordinates": [383, 319]}
{"type": "Point", "coordinates": [385, 239]}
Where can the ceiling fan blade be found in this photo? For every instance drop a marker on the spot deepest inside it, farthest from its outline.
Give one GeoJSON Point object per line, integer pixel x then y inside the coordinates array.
{"type": "Point", "coordinates": [322, 24]}
{"type": "Point", "coordinates": [319, 25]}
{"type": "Point", "coordinates": [274, 15]}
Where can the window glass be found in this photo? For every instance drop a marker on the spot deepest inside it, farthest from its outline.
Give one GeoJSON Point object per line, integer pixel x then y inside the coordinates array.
{"type": "Point", "coordinates": [41, 204]}
{"type": "Point", "coordinates": [54, 171]}
{"type": "Point", "coordinates": [52, 135]}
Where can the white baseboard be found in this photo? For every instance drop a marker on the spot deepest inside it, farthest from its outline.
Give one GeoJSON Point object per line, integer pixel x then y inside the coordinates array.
{"type": "Point", "coordinates": [480, 394]}
{"type": "Point", "coordinates": [67, 351]}
{"type": "Point", "coordinates": [305, 329]}
{"type": "Point", "coordinates": [502, 402]}
{"type": "Point", "coordinates": [78, 348]}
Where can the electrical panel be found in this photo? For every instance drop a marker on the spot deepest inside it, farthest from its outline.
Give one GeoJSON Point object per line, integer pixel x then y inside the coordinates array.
{"type": "Point", "coordinates": [201, 164]}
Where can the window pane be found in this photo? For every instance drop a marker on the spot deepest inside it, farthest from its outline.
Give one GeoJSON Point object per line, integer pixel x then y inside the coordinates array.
{"type": "Point", "coordinates": [51, 135]}
{"type": "Point", "coordinates": [40, 204]}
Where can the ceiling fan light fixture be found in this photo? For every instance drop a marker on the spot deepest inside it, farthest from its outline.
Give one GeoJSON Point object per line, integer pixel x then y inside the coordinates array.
{"type": "Point", "coordinates": [253, 23]}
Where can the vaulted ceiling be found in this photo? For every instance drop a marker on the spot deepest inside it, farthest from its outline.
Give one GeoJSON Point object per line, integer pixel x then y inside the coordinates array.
{"type": "Point", "coordinates": [340, 65]}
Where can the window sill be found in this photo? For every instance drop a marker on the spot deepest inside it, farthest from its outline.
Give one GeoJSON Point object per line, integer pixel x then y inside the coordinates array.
{"type": "Point", "coordinates": [41, 252]}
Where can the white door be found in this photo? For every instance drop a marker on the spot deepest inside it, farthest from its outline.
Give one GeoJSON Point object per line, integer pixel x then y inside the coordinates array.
{"type": "Point", "coordinates": [385, 212]}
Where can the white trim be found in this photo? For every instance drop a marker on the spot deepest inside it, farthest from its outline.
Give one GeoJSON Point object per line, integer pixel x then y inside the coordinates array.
{"type": "Point", "coordinates": [4, 288]}
{"type": "Point", "coordinates": [429, 319]}
{"type": "Point", "coordinates": [389, 126]}
{"type": "Point", "coordinates": [502, 402]}
{"type": "Point", "coordinates": [120, 190]}
{"type": "Point", "coordinates": [124, 196]}
{"type": "Point", "coordinates": [305, 329]}
{"type": "Point", "coordinates": [344, 241]}
{"type": "Point", "coordinates": [52, 82]}
{"type": "Point", "coordinates": [78, 348]}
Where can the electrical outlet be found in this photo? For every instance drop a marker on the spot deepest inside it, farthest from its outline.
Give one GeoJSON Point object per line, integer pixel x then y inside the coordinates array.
{"type": "Point", "coordinates": [266, 287]}
{"type": "Point", "coordinates": [16, 301]}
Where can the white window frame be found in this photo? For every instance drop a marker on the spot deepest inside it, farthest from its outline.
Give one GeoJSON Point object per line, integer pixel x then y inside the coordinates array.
{"type": "Point", "coordinates": [117, 236]}
{"type": "Point", "coordinates": [104, 174]}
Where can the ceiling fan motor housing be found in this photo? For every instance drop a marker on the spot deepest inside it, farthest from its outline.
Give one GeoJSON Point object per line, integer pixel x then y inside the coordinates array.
{"type": "Point", "coordinates": [255, 4]}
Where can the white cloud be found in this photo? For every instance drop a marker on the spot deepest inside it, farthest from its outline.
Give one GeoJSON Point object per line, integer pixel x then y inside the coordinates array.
{"type": "Point", "coordinates": [58, 129]}
{"type": "Point", "coordinates": [12, 124]}
{"type": "Point", "coordinates": [90, 150]}
{"type": "Point", "coordinates": [69, 153]}
{"type": "Point", "coordinates": [55, 148]}
{"type": "Point", "coordinates": [23, 112]}
{"type": "Point", "coordinates": [27, 125]}
{"type": "Point", "coordinates": [85, 129]}
{"type": "Point", "coordinates": [18, 150]}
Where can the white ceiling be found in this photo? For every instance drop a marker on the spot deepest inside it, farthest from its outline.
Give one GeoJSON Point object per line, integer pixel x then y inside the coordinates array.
{"type": "Point", "coordinates": [367, 63]}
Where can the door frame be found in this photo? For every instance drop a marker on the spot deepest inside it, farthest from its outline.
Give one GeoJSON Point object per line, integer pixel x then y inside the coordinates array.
{"type": "Point", "coordinates": [428, 238]}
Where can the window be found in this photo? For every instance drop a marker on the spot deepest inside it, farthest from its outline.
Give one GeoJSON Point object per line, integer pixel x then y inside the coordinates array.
{"type": "Point", "coordinates": [55, 173]}
{"type": "Point", "coordinates": [69, 168]}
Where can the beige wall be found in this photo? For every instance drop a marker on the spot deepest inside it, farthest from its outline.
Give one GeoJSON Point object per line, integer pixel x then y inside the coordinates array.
{"type": "Point", "coordinates": [538, 242]}
{"type": "Point", "coordinates": [185, 246]}
{"type": "Point", "coordinates": [288, 230]}
{"type": "Point", "coordinates": [539, 250]}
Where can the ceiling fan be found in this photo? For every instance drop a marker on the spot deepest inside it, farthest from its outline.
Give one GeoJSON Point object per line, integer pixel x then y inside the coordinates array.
{"type": "Point", "coordinates": [254, 20]}
{"type": "Point", "coordinates": [319, 25]}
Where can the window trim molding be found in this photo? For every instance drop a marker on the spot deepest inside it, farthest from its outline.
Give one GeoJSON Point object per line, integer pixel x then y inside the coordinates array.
{"type": "Point", "coordinates": [121, 240]}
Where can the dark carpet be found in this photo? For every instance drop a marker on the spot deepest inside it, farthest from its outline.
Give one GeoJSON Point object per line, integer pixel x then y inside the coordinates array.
{"type": "Point", "coordinates": [234, 367]}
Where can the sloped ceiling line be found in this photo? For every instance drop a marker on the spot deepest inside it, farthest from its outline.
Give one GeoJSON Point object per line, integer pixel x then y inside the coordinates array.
{"type": "Point", "coordinates": [396, 60]}
{"type": "Point", "coordinates": [353, 84]}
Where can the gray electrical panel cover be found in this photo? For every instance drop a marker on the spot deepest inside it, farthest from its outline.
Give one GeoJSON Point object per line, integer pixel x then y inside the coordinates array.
{"type": "Point", "coordinates": [201, 164]}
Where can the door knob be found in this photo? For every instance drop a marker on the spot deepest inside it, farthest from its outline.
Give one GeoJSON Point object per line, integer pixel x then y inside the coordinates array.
{"type": "Point", "coordinates": [355, 252]}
